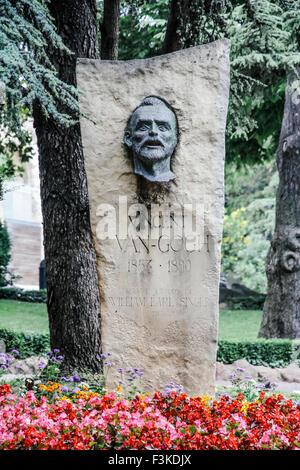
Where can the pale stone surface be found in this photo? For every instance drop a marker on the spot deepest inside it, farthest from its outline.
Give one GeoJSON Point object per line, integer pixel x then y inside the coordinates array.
{"type": "Point", "coordinates": [163, 320]}
{"type": "Point", "coordinates": [291, 373]}
{"type": "Point", "coordinates": [287, 378]}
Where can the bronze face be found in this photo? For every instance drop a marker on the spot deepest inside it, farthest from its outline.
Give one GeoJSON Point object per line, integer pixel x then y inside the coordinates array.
{"type": "Point", "coordinates": [151, 134]}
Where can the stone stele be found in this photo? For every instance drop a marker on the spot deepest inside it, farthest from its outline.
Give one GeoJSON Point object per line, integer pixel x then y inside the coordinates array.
{"type": "Point", "coordinates": [159, 297]}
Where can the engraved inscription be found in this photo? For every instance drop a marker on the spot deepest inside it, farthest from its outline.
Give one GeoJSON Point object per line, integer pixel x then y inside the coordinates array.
{"type": "Point", "coordinates": [156, 301]}
{"type": "Point", "coordinates": [139, 266]}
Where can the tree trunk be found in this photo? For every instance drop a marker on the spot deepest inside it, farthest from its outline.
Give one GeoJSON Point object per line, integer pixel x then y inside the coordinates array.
{"type": "Point", "coordinates": [172, 39]}
{"type": "Point", "coordinates": [281, 316]}
{"type": "Point", "coordinates": [110, 30]}
{"type": "Point", "coordinates": [187, 23]}
{"type": "Point", "coordinates": [72, 282]}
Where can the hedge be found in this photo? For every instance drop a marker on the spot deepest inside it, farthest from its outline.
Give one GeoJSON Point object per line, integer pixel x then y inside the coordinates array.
{"type": "Point", "coordinates": [246, 303]}
{"type": "Point", "coordinates": [39, 296]}
{"type": "Point", "coordinates": [27, 344]}
{"type": "Point", "coordinates": [271, 353]}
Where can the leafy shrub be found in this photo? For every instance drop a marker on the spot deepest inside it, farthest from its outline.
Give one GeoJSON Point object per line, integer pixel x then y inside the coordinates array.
{"type": "Point", "coordinates": [249, 223]}
{"type": "Point", "coordinates": [12, 293]}
{"type": "Point", "coordinates": [27, 344]}
{"type": "Point", "coordinates": [4, 253]}
{"type": "Point", "coordinates": [271, 353]}
{"type": "Point", "coordinates": [246, 303]}
{"type": "Point", "coordinates": [234, 238]}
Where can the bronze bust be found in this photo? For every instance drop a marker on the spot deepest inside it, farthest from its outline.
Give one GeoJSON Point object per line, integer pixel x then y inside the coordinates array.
{"type": "Point", "coordinates": [151, 135]}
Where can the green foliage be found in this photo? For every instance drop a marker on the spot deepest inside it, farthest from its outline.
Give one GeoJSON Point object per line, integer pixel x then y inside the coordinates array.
{"type": "Point", "coordinates": [52, 370]}
{"type": "Point", "coordinates": [12, 293]}
{"type": "Point", "coordinates": [271, 353]}
{"type": "Point", "coordinates": [4, 253]}
{"type": "Point", "coordinates": [249, 223]}
{"type": "Point", "coordinates": [27, 76]}
{"type": "Point", "coordinates": [261, 141]}
{"type": "Point", "coordinates": [263, 48]}
{"type": "Point", "coordinates": [142, 28]}
{"type": "Point", "coordinates": [234, 238]}
{"type": "Point", "coordinates": [14, 141]}
{"type": "Point", "coordinates": [201, 22]}
{"type": "Point", "coordinates": [249, 183]}
{"type": "Point", "coordinates": [27, 344]}
{"type": "Point", "coordinates": [25, 68]}
{"type": "Point", "coordinates": [264, 45]}
{"type": "Point", "coordinates": [250, 268]}
{"type": "Point", "coordinates": [250, 388]}
{"type": "Point", "coordinates": [246, 303]}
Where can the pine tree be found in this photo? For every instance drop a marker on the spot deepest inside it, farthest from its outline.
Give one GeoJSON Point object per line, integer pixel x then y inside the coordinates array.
{"type": "Point", "coordinates": [39, 43]}
{"type": "Point", "coordinates": [27, 76]}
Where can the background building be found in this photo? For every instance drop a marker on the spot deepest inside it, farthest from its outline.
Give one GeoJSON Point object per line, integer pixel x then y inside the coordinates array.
{"type": "Point", "coordinates": [20, 210]}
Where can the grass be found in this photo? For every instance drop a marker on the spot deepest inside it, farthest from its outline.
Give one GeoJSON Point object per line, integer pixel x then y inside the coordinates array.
{"type": "Point", "coordinates": [239, 325]}
{"type": "Point", "coordinates": [23, 316]}
{"type": "Point", "coordinates": [234, 325]}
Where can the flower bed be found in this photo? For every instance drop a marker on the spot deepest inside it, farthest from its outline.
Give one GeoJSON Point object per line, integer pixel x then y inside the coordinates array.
{"type": "Point", "coordinates": [89, 421]}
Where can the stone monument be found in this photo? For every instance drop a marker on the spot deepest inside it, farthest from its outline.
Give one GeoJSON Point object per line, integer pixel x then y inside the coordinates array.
{"type": "Point", "coordinates": [154, 150]}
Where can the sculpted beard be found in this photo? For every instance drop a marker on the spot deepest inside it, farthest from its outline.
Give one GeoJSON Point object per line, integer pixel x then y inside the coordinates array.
{"type": "Point", "coordinates": [150, 150]}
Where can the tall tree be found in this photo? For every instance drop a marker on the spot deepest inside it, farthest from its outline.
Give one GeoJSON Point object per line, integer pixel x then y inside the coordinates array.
{"type": "Point", "coordinates": [142, 28]}
{"type": "Point", "coordinates": [72, 282]}
{"type": "Point", "coordinates": [264, 38]}
{"type": "Point", "coordinates": [281, 316]}
{"type": "Point", "coordinates": [26, 75]}
{"type": "Point", "coordinates": [110, 30]}
{"type": "Point", "coordinates": [40, 41]}
{"type": "Point", "coordinates": [194, 22]}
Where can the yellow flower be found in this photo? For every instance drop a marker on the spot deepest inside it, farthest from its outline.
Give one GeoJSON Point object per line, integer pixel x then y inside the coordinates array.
{"type": "Point", "coordinates": [207, 399]}
{"type": "Point", "coordinates": [245, 407]}
{"type": "Point", "coordinates": [64, 398]}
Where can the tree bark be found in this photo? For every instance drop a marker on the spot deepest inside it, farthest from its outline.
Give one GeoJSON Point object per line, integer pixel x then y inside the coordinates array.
{"type": "Point", "coordinates": [187, 20]}
{"type": "Point", "coordinates": [72, 282]}
{"type": "Point", "coordinates": [110, 30]}
{"type": "Point", "coordinates": [281, 316]}
{"type": "Point", "coordinates": [172, 38]}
